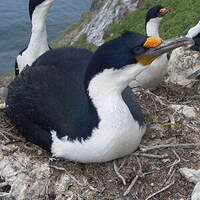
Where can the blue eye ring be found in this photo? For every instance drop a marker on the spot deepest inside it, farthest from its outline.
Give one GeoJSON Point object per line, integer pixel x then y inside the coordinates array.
{"type": "Point", "coordinates": [138, 50]}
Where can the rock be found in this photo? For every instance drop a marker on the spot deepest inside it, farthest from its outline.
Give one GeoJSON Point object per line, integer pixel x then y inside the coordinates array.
{"type": "Point", "coordinates": [187, 111]}
{"type": "Point", "coordinates": [191, 175]}
{"type": "Point", "coordinates": [31, 180]}
{"type": "Point", "coordinates": [182, 63]}
{"type": "Point", "coordinates": [196, 192]}
{"type": "Point", "coordinates": [3, 92]}
{"type": "Point", "coordinates": [2, 105]}
{"type": "Point", "coordinates": [101, 15]}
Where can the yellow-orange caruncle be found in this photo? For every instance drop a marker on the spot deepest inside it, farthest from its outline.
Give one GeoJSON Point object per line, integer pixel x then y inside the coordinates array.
{"type": "Point", "coordinates": [162, 10]}
{"type": "Point", "coordinates": [152, 41]}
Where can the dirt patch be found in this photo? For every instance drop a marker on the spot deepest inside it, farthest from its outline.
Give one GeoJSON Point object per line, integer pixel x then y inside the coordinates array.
{"type": "Point", "coordinates": [156, 171]}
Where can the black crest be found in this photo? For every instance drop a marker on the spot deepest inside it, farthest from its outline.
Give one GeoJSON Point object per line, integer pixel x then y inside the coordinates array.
{"type": "Point", "coordinates": [153, 12]}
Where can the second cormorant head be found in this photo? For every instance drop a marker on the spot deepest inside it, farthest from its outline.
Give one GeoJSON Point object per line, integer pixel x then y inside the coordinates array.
{"type": "Point", "coordinates": [153, 19]}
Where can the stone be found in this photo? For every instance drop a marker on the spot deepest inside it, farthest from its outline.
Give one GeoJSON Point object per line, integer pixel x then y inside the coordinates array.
{"type": "Point", "coordinates": [191, 175]}
{"type": "Point", "coordinates": [158, 129]}
{"type": "Point", "coordinates": [182, 63]}
{"type": "Point", "coordinates": [3, 92]}
{"type": "Point", "coordinates": [187, 111]}
{"type": "Point", "coordinates": [2, 105]}
{"type": "Point", "coordinates": [102, 14]}
{"type": "Point", "coordinates": [196, 192]}
{"type": "Point", "coordinates": [29, 179]}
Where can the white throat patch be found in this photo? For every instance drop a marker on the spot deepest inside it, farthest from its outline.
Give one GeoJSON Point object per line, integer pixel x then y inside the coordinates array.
{"type": "Point", "coordinates": [152, 26]}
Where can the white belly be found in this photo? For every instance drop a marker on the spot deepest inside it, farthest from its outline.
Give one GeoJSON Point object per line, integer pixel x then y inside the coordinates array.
{"type": "Point", "coordinates": [117, 135]}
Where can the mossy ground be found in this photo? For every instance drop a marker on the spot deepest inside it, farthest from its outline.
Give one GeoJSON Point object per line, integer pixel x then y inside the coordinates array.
{"type": "Point", "coordinates": [3, 76]}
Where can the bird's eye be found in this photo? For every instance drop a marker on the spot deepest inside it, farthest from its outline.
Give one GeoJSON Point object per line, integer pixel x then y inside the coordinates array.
{"type": "Point", "coordinates": [138, 50]}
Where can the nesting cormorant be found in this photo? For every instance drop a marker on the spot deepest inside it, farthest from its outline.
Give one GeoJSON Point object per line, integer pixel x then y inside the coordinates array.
{"type": "Point", "coordinates": [78, 106]}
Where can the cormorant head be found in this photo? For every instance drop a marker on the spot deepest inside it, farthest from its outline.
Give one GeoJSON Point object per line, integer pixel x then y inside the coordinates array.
{"type": "Point", "coordinates": [33, 4]}
{"type": "Point", "coordinates": [156, 12]}
{"type": "Point", "coordinates": [128, 55]}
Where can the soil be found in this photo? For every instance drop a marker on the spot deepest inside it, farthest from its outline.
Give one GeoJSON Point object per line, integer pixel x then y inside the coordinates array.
{"type": "Point", "coordinates": [101, 182]}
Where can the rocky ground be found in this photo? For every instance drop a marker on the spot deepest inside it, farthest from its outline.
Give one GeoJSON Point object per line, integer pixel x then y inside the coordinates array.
{"type": "Point", "coordinates": [152, 172]}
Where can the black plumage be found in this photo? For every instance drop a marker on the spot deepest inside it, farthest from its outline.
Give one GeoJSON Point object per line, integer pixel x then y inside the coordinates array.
{"type": "Point", "coordinates": [39, 94]}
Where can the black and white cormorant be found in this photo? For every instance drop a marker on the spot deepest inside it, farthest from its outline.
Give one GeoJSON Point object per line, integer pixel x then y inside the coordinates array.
{"type": "Point", "coordinates": [78, 106]}
{"type": "Point", "coordinates": [152, 76]}
{"type": "Point", "coordinates": [38, 44]}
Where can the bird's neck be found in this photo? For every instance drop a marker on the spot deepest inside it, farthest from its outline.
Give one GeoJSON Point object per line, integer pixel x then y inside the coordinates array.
{"type": "Point", "coordinates": [152, 26]}
{"type": "Point", "coordinates": [38, 41]}
{"type": "Point", "coordinates": [106, 87]}
{"type": "Point", "coordinates": [116, 120]}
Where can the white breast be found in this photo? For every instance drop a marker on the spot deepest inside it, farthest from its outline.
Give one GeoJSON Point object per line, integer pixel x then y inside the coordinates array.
{"type": "Point", "coordinates": [117, 134]}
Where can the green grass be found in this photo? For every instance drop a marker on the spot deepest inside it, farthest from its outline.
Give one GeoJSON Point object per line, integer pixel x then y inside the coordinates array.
{"type": "Point", "coordinates": [67, 31]}
{"type": "Point", "coordinates": [70, 29]}
{"type": "Point", "coordinates": [183, 15]}
{"type": "Point", "coordinates": [82, 43]}
{"type": "Point", "coordinates": [2, 76]}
